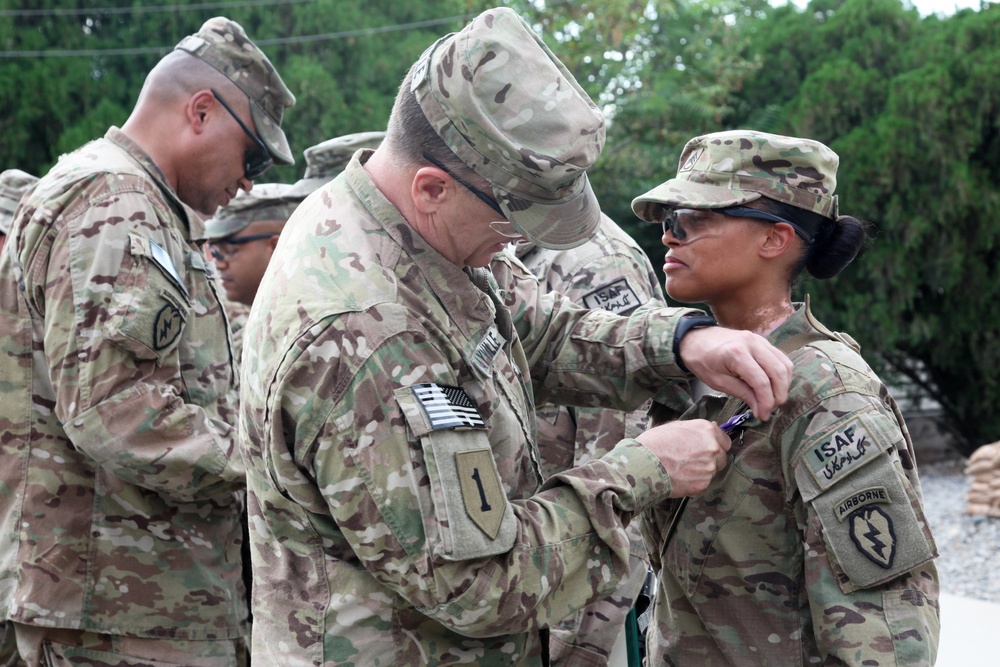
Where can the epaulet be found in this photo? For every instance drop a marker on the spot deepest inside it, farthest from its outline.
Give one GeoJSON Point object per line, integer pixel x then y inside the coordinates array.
{"type": "Point", "coordinates": [832, 335]}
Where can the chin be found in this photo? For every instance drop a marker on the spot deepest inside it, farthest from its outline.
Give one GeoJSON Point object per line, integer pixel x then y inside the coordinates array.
{"type": "Point", "coordinates": [681, 295]}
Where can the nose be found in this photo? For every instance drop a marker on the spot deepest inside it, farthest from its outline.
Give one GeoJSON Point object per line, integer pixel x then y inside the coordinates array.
{"type": "Point", "coordinates": [246, 184]}
{"type": "Point", "coordinates": [669, 239]}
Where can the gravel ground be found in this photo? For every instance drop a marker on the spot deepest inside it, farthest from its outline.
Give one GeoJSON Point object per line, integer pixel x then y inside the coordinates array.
{"type": "Point", "coordinates": [969, 545]}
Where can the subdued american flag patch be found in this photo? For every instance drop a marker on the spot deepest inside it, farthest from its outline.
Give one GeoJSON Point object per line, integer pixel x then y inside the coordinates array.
{"type": "Point", "coordinates": [448, 407]}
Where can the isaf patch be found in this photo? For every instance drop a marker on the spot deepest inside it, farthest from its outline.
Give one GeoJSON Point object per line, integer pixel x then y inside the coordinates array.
{"type": "Point", "coordinates": [842, 453]}
{"type": "Point", "coordinates": [617, 297]}
{"type": "Point", "coordinates": [447, 407]}
{"type": "Point", "coordinates": [874, 535]}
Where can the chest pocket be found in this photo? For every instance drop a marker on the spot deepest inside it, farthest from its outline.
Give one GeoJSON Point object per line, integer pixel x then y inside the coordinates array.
{"type": "Point", "coordinates": [208, 365]}
{"type": "Point", "coordinates": [465, 511]}
{"type": "Point", "coordinates": [700, 525]}
{"type": "Point", "coordinates": [150, 305]}
{"type": "Point", "coordinates": [164, 311]}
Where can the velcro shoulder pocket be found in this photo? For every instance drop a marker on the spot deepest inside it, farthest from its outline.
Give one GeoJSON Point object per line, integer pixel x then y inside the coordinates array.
{"type": "Point", "coordinates": [467, 514]}
{"type": "Point", "coordinates": [871, 517]}
{"type": "Point", "coordinates": [150, 304]}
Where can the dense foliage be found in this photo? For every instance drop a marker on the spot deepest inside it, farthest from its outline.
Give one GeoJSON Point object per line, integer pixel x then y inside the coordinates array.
{"type": "Point", "coordinates": [911, 104]}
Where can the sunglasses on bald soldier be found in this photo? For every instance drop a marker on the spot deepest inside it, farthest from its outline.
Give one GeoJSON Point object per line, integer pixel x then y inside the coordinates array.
{"type": "Point", "coordinates": [256, 160]}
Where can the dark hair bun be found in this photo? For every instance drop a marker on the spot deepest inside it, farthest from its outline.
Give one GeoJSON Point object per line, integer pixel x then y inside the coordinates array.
{"type": "Point", "coordinates": [835, 250]}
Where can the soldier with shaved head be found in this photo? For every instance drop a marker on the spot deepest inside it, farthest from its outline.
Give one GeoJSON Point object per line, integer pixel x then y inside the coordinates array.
{"type": "Point", "coordinates": [121, 489]}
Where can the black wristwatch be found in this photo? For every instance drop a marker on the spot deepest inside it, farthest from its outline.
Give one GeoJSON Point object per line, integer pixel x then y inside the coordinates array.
{"type": "Point", "coordinates": [687, 323]}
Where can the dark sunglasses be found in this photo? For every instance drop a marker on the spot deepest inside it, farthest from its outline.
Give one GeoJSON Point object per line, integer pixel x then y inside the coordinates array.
{"type": "Point", "coordinates": [218, 250]}
{"type": "Point", "coordinates": [490, 201]}
{"type": "Point", "coordinates": [670, 220]}
{"type": "Point", "coordinates": [256, 160]}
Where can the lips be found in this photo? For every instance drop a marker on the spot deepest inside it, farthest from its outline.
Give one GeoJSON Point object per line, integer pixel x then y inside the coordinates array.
{"type": "Point", "coordinates": [670, 262]}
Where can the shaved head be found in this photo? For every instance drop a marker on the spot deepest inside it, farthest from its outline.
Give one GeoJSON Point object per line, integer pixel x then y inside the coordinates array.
{"type": "Point", "coordinates": [179, 75]}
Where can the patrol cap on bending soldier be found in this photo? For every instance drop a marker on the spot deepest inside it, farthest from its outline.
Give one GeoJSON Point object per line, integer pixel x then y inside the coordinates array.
{"type": "Point", "coordinates": [222, 44]}
{"type": "Point", "coordinates": [13, 184]}
{"type": "Point", "coordinates": [532, 142]}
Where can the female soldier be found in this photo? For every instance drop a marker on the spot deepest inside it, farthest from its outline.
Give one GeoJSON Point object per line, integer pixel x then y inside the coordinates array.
{"type": "Point", "coordinates": [811, 546]}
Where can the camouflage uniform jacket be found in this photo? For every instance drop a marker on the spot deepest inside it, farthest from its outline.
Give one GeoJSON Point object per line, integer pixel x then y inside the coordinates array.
{"type": "Point", "coordinates": [121, 494]}
{"type": "Point", "coordinates": [387, 420]}
{"type": "Point", "coordinates": [610, 271]}
{"type": "Point", "coordinates": [811, 547]}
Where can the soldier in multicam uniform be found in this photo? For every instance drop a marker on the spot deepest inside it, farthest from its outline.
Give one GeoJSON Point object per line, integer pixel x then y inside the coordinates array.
{"type": "Point", "coordinates": [121, 485]}
{"type": "Point", "coordinates": [610, 271]}
{"type": "Point", "coordinates": [240, 239]}
{"type": "Point", "coordinates": [387, 412]}
{"type": "Point", "coordinates": [13, 184]}
{"type": "Point", "coordinates": [812, 546]}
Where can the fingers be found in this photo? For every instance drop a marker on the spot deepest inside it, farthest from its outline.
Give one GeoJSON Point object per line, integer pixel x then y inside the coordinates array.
{"type": "Point", "coordinates": [741, 364]}
{"type": "Point", "coordinates": [692, 452]}
{"type": "Point", "coordinates": [761, 377]}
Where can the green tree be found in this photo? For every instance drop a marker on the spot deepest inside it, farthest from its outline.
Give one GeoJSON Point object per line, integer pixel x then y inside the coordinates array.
{"type": "Point", "coordinates": [690, 61]}
{"type": "Point", "coordinates": [911, 106]}
{"type": "Point", "coordinates": [344, 60]}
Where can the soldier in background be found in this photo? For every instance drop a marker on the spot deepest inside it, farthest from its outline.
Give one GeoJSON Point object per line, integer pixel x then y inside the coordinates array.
{"type": "Point", "coordinates": [13, 184]}
{"type": "Point", "coordinates": [611, 272]}
{"type": "Point", "coordinates": [386, 407]}
{"type": "Point", "coordinates": [242, 235]}
{"type": "Point", "coordinates": [120, 487]}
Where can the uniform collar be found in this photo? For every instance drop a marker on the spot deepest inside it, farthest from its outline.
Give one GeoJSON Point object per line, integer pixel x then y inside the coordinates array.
{"type": "Point", "coordinates": [452, 285]}
{"type": "Point", "coordinates": [194, 225]}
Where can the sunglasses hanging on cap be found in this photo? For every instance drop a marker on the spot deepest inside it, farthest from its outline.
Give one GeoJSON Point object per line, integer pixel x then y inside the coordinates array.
{"type": "Point", "coordinates": [490, 201]}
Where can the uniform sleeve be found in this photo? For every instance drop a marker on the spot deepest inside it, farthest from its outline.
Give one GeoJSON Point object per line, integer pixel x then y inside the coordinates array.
{"type": "Point", "coordinates": [592, 357]}
{"type": "Point", "coordinates": [125, 310]}
{"type": "Point", "coordinates": [870, 578]}
{"type": "Point", "coordinates": [614, 281]}
{"type": "Point", "coordinates": [429, 510]}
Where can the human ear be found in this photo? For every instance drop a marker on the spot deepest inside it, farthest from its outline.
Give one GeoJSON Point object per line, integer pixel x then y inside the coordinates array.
{"type": "Point", "coordinates": [198, 107]}
{"type": "Point", "coordinates": [429, 189]}
{"type": "Point", "coordinates": [777, 240]}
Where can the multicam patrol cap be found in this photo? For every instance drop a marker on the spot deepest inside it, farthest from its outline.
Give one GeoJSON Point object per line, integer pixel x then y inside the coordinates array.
{"type": "Point", "coordinates": [222, 44]}
{"type": "Point", "coordinates": [738, 166]}
{"type": "Point", "coordinates": [326, 160]}
{"type": "Point", "coordinates": [266, 201]}
{"type": "Point", "coordinates": [505, 105]}
{"type": "Point", "coordinates": [13, 184]}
